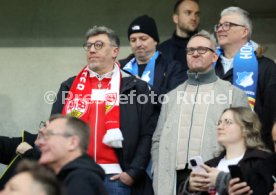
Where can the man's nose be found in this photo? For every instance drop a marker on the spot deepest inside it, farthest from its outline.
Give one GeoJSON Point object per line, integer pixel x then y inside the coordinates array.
{"type": "Point", "coordinates": [138, 43]}
{"type": "Point", "coordinates": [92, 48]}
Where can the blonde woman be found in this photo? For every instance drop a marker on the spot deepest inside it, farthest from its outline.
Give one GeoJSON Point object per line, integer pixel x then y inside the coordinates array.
{"type": "Point", "coordinates": [238, 132]}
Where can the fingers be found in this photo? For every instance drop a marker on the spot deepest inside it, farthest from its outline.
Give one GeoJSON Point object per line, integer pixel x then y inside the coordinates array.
{"type": "Point", "coordinates": [23, 147]}
{"type": "Point", "coordinates": [115, 177]}
{"type": "Point", "coordinates": [236, 188]}
{"type": "Point", "coordinates": [126, 179]}
{"type": "Point", "coordinates": [206, 167]}
{"type": "Point", "coordinates": [198, 182]}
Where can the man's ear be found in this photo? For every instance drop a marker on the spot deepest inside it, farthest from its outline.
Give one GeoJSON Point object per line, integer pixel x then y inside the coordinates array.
{"type": "Point", "coordinates": [215, 57]}
{"type": "Point", "coordinates": [74, 142]}
{"type": "Point", "coordinates": [175, 18]}
{"type": "Point", "coordinates": [115, 52]}
{"type": "Point", "coordinates": [245, 33]}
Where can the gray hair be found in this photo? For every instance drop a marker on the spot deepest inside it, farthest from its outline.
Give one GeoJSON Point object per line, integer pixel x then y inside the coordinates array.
{"type": "Point", "coordinates": [207, 35]}
{"type": "Point", "coordinates": [97, 30]}
{"type": "Point", "coordinates": [76, 127]}
{"type": "Point", "coordinates": [245, 16]}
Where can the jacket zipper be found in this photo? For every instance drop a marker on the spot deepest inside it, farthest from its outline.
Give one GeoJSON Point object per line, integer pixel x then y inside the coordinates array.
{"type": "Point", "coordinates": [192, 117]}
{"type": "Point", "coordinates": [96, 122]}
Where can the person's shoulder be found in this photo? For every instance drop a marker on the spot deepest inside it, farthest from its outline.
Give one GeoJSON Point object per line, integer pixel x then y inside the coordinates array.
{"type": "Point", "coordinates": [83, 165]}
{"type": "Point", "coordinates": [69, 81]}
{"type": "Point", "coordinates": [124, 61]}
{"type": "Point", "coordinates": [164, 44]}
{"type": "Point", "coordinates": [179, 90]}
{"type": "Point", "coordinates": [130, 80]}
{"type": "Point", "coordinates": [257, 153]}
{"type": "Point", "coordinates": [224, 82]}
{"type": "Point", "coordinates": [265, 60]}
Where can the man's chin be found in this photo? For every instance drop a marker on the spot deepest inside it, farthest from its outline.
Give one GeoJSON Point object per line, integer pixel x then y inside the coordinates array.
{"type": "Point", "coordinates": [43, 160]}
{"type": "Point", "coordinates": [93, 66]}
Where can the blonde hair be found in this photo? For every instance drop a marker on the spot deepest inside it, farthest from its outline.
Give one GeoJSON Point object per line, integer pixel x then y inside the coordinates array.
{"type": "Point", "coordinates": [251, 125]}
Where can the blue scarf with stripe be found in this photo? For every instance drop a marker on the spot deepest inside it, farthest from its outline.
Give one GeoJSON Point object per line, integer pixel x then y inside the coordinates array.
{"type": "Point", "coordinates": [148, 74]}
{"type": "Point", "coordinates": [245, 71]}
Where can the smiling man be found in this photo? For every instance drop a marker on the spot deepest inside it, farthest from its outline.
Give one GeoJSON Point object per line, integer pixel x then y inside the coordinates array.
{"type": "Point", "coordinates": [187, 123]}
{"type": "Point", "coordinates": [241, 64]}
{"type": "Point", "coordinates": [63, 143]}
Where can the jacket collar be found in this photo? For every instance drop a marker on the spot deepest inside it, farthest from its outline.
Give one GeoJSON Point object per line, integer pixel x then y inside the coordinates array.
{"type": "Point", "coordinates": [201, 78]}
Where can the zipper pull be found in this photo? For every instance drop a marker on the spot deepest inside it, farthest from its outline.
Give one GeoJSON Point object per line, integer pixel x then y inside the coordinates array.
{"type": "Point", "coordinates": [196, 76]}
{"type": "Point", "coordinates": [100, 84]}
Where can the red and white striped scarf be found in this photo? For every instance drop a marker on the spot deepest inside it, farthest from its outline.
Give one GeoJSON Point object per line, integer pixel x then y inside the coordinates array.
{"type": "Point", "coordinates": [85, 100]}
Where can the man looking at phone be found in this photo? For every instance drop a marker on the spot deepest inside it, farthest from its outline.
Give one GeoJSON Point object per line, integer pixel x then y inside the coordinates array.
{"type": "Point", "coordinates": [187, 123]}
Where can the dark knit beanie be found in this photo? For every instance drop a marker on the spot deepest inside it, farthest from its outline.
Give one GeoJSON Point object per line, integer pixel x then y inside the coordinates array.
{"type": "Point", "coordinates": [144, 24]}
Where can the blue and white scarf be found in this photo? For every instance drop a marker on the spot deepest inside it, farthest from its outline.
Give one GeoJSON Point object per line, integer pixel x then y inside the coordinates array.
{"type": "Point", "coordinates": [245, 70]}
{"type": "Point", "coordinates": [148, 74]}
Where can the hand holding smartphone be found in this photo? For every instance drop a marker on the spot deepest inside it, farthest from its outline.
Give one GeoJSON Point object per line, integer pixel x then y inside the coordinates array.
{"type": "Point", "coordinates": [235, 171]}
{"type": "Point", "coordinates": [195, 162]}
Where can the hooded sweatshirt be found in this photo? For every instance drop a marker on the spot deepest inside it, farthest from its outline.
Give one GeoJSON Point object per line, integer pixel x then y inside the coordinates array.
{"type": "Point", "coordinates": [82, 176]}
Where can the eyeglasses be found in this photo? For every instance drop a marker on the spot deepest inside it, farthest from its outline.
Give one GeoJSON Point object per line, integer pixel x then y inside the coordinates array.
{"type": "Point", "coordinates": [42, 124]}
{"type": "Point", "coordinates": [200, 50]}
{"type": "Point", "coordinates": [97, 45]}
{"type": "Point", "coordinates": [46, 136]}
{"type": "Point", "coordinates": [226, 26]}
{"type": "Point", "coordinates": [225, 122]}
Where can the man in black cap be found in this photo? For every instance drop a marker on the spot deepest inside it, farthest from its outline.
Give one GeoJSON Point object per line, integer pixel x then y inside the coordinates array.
{"type": "Point", "coordinates": [150, 65]}
{"type": "Point", "coordinates": [146, 62]}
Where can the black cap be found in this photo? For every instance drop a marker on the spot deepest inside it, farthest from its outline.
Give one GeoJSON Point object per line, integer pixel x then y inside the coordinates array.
{"type": "Point", "coordinates": [144, 24]}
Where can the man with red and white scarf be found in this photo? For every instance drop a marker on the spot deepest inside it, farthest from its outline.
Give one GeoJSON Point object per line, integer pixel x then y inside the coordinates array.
{"type": "Point", "coordinates": [115, 106]}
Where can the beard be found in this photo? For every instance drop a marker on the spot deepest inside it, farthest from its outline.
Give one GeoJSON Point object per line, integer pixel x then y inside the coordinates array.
{"type": "Point", "coordinates": [93, 66]}
{"type": "Point", "coordinates": [190, 30]}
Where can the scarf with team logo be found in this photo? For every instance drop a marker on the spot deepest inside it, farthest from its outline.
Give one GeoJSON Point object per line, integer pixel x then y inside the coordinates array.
{"type": "Point", "coordinates": [245, 71]}
{"type": "Point", "coordinates": [148, 74]}
{"type": "Point", "coordinates": [84, 100]}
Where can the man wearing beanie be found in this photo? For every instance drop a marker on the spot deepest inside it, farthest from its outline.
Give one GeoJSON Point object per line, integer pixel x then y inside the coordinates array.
{"type": "Point", "coordinates": [146, 62]}
{"type": "Point", "coordinates": [151, 66]}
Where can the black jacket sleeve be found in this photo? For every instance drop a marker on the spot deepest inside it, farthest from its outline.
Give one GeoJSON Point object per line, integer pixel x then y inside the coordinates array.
{"type": "Point", "coordinates": [147, 127]}
{"type": "Point", "coordinates": [62, 95]}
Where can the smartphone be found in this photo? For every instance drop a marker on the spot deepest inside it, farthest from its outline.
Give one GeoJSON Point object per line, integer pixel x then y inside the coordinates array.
{"type": "Point", "coordinates": [235, 171]}
{"type": "Point", "coordinates": [195, 162]}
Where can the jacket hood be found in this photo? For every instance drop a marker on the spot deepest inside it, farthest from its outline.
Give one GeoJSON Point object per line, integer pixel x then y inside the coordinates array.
{"type": "Point", "coordinates": [83, 162]}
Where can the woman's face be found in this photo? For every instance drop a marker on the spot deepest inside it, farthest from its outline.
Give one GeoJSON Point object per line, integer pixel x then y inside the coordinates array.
{"type": "Point", "coordinates": [228, 131]}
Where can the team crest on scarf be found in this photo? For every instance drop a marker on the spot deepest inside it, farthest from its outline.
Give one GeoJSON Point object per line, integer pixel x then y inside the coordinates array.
{"type": "Point", "coordinates": [76, 107]}
{"type": "Point", "coordinates": [245, 79]}
{"type": "Point", "coordinates": [110, 99]}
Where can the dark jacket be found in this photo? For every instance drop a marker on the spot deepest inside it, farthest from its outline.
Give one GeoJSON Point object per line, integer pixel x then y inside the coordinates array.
{"type": "Point", "coordinates": [9, 157]}
{"type": "Point", "coordinates": [167, 75]}
{"type": "Point", "coordinates": [82, 176]}
{"type": "Point", "coordinates": [265, 105]}
{"type": "Point", "coordinates": [260, 180]}
{"type": "Point", "coordinates": [136, 126]}
{"type": "Point", "coordinates": [175, 49]}
{"type": "Point", "coordinates": [251, 159]}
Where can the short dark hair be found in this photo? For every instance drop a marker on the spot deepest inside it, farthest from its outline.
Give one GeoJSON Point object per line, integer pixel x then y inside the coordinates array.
{"type": "Point", "coordinates": [178, 2]}
{"type": "Point", "coordinates": [77, 127]}
{"type": "Point", "coordinates": [44, 176]}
